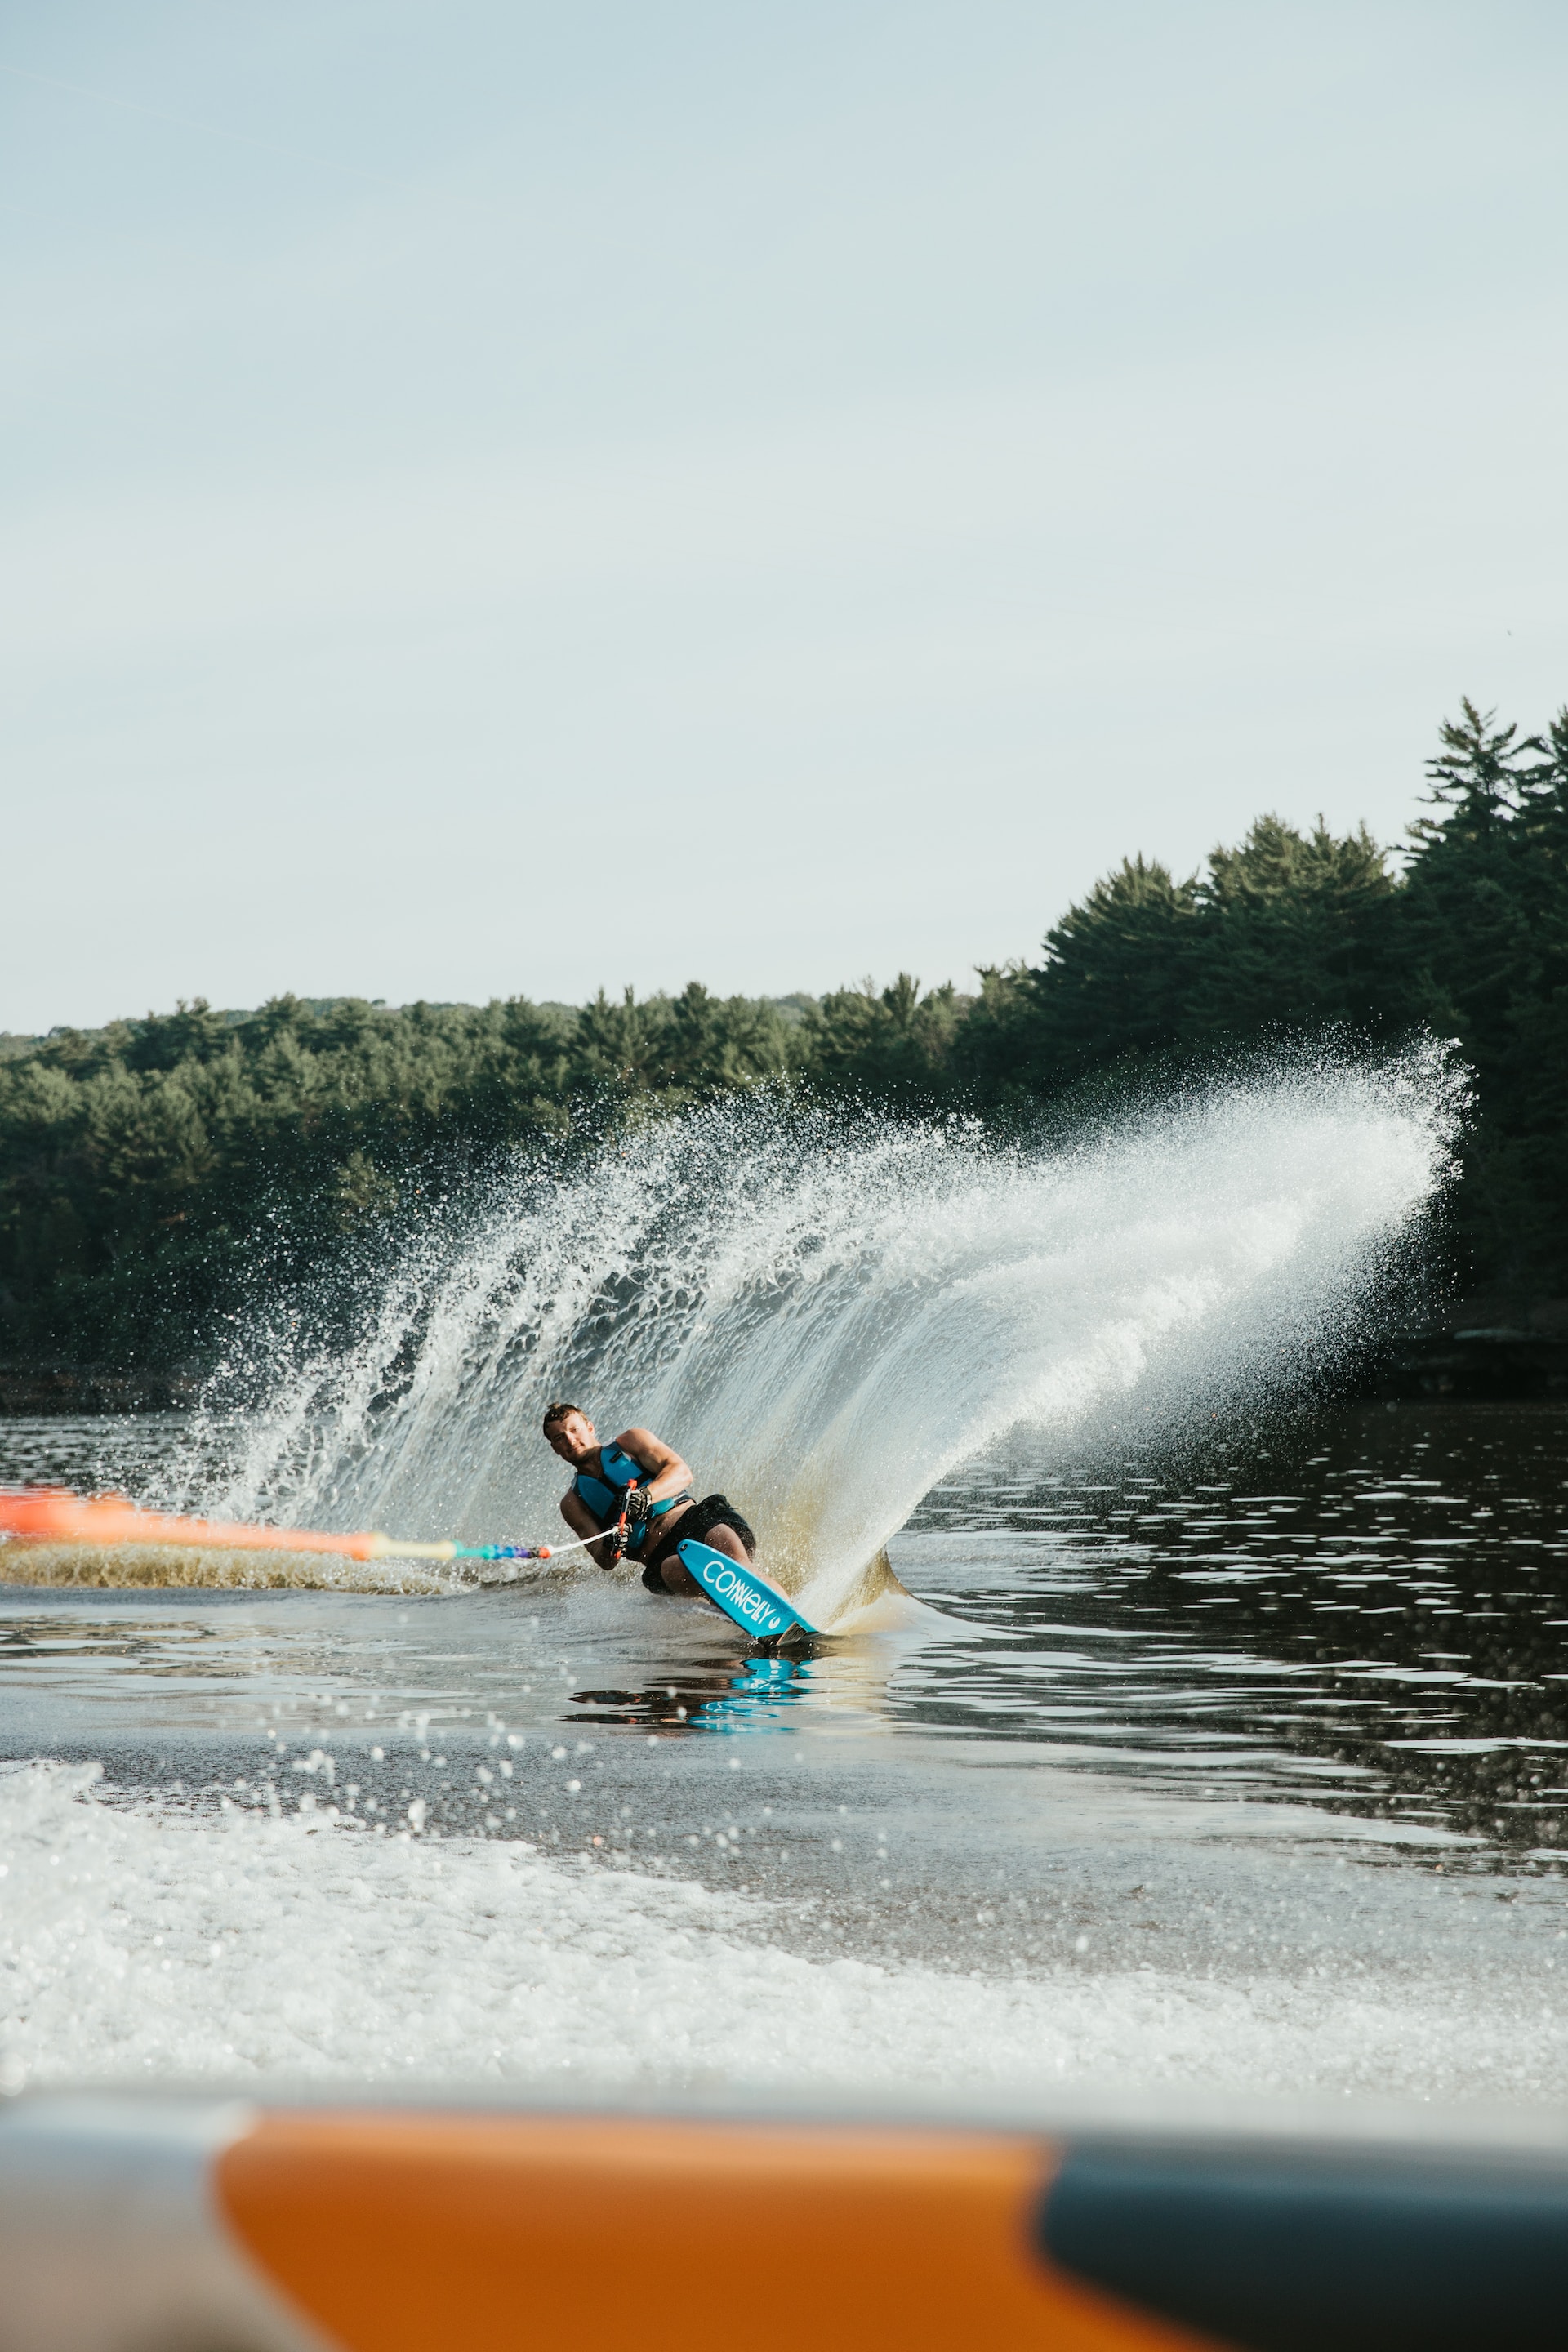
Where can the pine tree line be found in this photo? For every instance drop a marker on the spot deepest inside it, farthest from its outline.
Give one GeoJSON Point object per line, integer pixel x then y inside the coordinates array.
{"type": "Point", "coordinates": [147, 1167]}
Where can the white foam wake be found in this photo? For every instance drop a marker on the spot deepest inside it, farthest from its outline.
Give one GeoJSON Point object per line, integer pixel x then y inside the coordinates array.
{"type": "Point", "coordinates": [133, 1945]}
{"type": "Point", "coordinates": [827, 1312]}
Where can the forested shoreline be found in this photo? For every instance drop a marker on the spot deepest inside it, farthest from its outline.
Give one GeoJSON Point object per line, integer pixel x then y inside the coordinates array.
{"type": "Point", "coordinates": [151, 1170]}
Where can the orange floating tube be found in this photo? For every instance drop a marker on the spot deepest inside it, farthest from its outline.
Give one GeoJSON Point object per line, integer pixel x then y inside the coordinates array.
{"type": "Point", "coordinates": [129, 2220]}
{"type": "Point", "coordinates": [391, 2231]}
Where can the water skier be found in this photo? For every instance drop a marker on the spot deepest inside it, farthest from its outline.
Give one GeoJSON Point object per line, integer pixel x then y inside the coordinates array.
{"type": "Point", "coordinates": [638, 1473]}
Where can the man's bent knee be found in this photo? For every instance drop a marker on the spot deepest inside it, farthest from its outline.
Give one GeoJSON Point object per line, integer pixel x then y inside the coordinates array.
{"type": "Point", "coordinates": [726, 1538]}
{"type": "Point", "coordinates": [676, 1578]}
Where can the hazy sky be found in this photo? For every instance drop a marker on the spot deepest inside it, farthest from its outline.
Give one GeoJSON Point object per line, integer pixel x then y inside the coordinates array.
{"type": "Point", "coordinates": [501, 499]}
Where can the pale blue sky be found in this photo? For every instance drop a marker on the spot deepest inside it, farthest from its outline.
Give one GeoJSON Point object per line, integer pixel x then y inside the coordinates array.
{"type": "Point", "coordinates": [501, 499]}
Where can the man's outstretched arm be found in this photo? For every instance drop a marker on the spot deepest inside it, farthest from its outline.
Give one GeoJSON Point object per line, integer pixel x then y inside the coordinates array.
{"type": "Point", "coordinates": [582, 1522]}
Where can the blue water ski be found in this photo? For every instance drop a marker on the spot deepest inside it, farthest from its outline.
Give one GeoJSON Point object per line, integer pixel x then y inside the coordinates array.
{"type": "Point", "coordinates": [758, 1607]}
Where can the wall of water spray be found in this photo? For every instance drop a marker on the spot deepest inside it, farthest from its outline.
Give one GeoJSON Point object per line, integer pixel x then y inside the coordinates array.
{"type": "Point", "coordinates": [827, 1310]}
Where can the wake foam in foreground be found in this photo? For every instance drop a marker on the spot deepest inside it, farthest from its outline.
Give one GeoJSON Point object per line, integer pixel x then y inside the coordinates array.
{"type": "Point", "coordinates": [135, 1947]}
{"type": "Point", "coordinates": [829, 1311]}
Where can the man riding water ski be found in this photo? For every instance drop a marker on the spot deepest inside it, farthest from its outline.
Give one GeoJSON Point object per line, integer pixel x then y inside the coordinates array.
{"type": "Point", "coordinates": [637, 1472]}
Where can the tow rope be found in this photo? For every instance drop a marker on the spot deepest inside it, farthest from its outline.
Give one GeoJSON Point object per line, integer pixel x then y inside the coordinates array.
{"type": "Point", "coordinates": [54, 1515]}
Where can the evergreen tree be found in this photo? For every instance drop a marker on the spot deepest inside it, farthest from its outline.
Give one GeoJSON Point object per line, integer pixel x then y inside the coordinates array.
{"type": "Point", "coordinates": [1294, 930]}
{"type": "Point", "coordinates": [1471, 934]}
{"type": "Point", "coordinates": [1114, 983]}
{"type": "Point", "coordinates": [891, 1042]}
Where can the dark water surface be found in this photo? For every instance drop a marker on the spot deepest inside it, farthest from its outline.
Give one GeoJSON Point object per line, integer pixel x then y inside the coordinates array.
{"type": "Point", "coordinates": [1206, 1770]}
{"type": "Point", "coordinates": [1379, 1625]}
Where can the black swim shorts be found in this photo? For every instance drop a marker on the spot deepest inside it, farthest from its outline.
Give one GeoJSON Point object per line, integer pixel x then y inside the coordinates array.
{"type": "Point", "coordinates": [713, 1511]}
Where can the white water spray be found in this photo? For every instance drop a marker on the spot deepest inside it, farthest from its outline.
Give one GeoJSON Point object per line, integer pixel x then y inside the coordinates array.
{"type": "Point", "coordinates": [827, 1312]}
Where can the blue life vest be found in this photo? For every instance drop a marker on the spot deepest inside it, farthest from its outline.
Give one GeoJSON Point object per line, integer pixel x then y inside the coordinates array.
{"type": "Point", "coordinates": [603, 1495]}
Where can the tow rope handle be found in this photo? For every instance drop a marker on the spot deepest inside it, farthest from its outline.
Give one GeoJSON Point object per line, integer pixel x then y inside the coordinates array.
{"type": "Point", "coordinates": [619, 1535]}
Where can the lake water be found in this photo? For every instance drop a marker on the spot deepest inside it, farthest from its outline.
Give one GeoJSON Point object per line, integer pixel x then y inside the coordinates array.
{"type": "Point", "coordinates": [1255, 1777]}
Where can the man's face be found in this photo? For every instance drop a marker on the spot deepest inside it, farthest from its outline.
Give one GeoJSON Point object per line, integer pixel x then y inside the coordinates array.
{"type": "Point", "coordinates": [572, 1438]}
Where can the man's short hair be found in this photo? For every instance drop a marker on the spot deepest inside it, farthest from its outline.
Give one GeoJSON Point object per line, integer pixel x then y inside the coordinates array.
{"type": "Point", "coordinates": [555, 1414]}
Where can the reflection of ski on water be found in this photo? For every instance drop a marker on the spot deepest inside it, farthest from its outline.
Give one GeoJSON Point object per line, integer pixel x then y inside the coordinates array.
{"type": "Point", "coordinates": [768, 1685]}
{"type": "Point", "coordinates": [752, 1693]}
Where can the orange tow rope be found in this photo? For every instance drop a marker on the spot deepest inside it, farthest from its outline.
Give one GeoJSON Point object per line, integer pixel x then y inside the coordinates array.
{"type": "Point", "coordinates": [57, 1516]}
